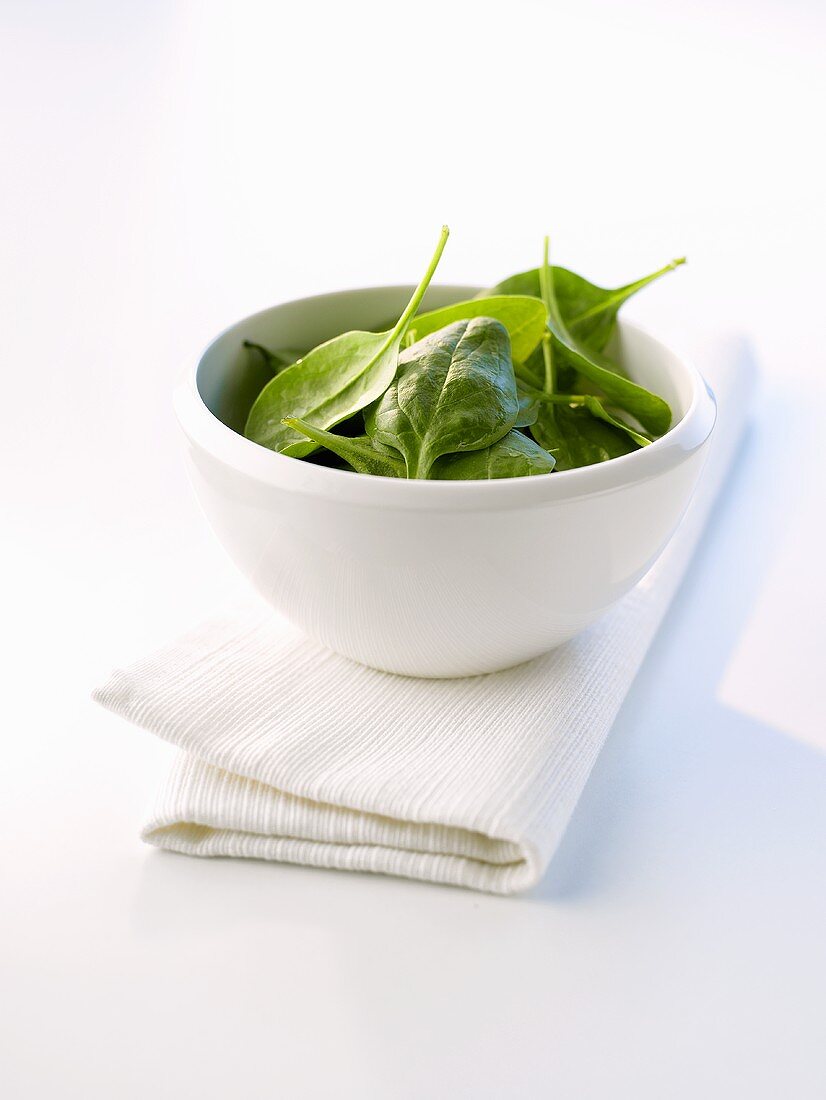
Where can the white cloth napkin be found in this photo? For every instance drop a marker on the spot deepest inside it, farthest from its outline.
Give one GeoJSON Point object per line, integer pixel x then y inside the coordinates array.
{"type": "Point", "coordinates": [290, 752]}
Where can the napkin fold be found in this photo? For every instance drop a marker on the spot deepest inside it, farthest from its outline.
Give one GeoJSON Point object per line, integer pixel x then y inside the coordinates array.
{"type": "Point", "coordinates": [290, 752]}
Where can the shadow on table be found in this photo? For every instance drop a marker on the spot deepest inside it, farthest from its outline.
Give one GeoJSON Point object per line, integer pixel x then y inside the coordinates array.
{"type": "Point", "coordinates": [676, 759]}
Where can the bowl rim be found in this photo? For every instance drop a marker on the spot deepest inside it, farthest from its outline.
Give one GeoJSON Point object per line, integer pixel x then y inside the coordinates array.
{"type": "Point", "coordinates": [209, 435]}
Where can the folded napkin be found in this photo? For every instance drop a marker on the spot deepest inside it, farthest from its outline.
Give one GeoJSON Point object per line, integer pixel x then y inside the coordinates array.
{"type": "Point", "coordinates": [290, 752]}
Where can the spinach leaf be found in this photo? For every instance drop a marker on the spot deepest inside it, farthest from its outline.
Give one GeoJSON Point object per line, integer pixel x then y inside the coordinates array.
{"type": "Point", "coordinates": [529, 403]}
{"type": "Point", "coordinates": [588, 311]}
{"type": "Point", "coordinates": [333, 381]}
{"type": "Point", "coordinates": [597, 409]}
{"type": "Point", "coordinates": [575, 437]}
{"type": "Point", "coordinates": [515, 455]}
{"type": "Point", "coordinates": [275, 360]}
{"type": "Point", "coordinates": [523, 317]}
{"type": "Point", "coordinates": [455, 391]}
{"type": "Point", "coordinates": [649, 409]}
{"type": "Point", "coordinates": [357, 451]}
{"type": "Point", "coordinates": [513, 383]}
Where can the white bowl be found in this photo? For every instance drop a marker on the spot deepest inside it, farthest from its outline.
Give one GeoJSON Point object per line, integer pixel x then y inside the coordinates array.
{"type": "Point", "coordinates": [433, 578]}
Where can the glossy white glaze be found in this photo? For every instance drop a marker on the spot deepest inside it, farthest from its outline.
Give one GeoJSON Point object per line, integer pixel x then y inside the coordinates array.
{"type": "Point", "coordinates": [433, 578]}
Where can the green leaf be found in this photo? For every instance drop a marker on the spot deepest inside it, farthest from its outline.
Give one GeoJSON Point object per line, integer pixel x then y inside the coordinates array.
{"type": "Point", "coordinates": [276, 360]}
{"type": "Point", "coordinates": [455, 391]}
{"type": "Point", "coordinates": [333, 381]}
{"type": "Point", "coordinates": [524, 283]}
{"type": "Point", "coordinates": [588, 311]}
{"type": "Point", "coordinates": [597, 409]}
{"type": "Point", "coordinates": [515, 455]}
{"type": "Point", "coordinates": [357, 451]}
{"type": "Point", "coordinates": [575, 437]}
{"type": "Point", "coordinates": [523, 317]}
{"type": "Point", "coordinates": [529, 402]}
{"type": "Point", "coordinates": [649, 409]}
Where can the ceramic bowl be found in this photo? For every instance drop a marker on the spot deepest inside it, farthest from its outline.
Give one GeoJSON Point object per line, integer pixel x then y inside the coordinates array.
{"type": "Point", "coordinates": [433, 578]}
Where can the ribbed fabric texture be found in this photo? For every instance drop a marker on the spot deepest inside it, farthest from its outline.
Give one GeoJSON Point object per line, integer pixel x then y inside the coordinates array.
{"type": "Point", "coordinates": [290, 752]}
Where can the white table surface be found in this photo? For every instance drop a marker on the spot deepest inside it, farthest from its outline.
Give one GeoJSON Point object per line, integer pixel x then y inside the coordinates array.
{"type": "Point", "coordinates": [172, 167]}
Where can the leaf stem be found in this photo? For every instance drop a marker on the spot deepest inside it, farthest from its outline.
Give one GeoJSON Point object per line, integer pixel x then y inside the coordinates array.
{"type": "Point", "coordinates": [356, 452]}
{"type": "Point", "coordinates": [550, 370]}
{"type": "Point", "coordinates": [546, 290]}
{"type": "Point", "coordinates": [401, 325]}
{"type": "Point", "coordinates": [563, 398]}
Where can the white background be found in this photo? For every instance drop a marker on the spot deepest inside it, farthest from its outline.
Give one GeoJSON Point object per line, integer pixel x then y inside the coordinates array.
{"type": "Point", "coordinates": [169, 168]}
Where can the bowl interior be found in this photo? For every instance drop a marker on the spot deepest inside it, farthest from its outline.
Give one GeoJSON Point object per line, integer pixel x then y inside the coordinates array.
{"type": "Point", "coordinates": [229, 377]}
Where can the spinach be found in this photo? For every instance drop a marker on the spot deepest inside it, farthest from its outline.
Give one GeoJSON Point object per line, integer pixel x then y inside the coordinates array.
{"type": "Point", "coordinates": [515, 455]}
{"type": "Point", "coordinates": [575, 437]}
{"type": "Point", "coordinates": [597, 409]}
{"type": "Point", "coordinates": [529, 404]}
{"type": "Point", "coordinates": [333, 381]}
{"type": "Point", "coordinates": [455, 392]}
{"type": "Point", "coordinates": [275, 360]}
{"type": "Point", "coordinates": [557, 431]}
{"type": "Point", "coordinates": [588, 311]}
{"type": "Point", "coordinates": [649, 409]}
{"type": "Point", "coordinates": [358, 451]}
{"type": "Point", "coordinates": [523, 317]}
{"type": "Point", "coordinates": [591, 311]}
{"type": "Point", "coordinates": [514, 383]}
